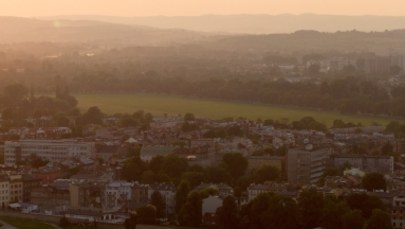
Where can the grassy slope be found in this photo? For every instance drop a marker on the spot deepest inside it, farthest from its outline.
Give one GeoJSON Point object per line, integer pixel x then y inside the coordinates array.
{"type": "Point", "coordinates": [160, 104]}
{"type": "Point", "coordinates": [25, 223]}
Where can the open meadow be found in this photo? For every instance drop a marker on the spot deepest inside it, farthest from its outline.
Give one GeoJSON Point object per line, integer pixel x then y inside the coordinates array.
{"type": "Point", "coordinates": [159, 105]}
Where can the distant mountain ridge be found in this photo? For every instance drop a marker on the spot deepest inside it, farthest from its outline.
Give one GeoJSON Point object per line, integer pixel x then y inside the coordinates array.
{"type": "Point", "coordinates": [258, 24]}
{"type": "Point", "coordinates": [17, 30]}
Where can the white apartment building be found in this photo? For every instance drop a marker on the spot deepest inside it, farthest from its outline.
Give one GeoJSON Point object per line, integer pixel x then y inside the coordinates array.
{"type": "Point", "coordinates": [4, 191]}
{"type": "Point", "coordinates": [117, 195]}
{"type": "Point", "coordinates": [398, 212]}
{"type": "Point", "coordinates": [51, 150]}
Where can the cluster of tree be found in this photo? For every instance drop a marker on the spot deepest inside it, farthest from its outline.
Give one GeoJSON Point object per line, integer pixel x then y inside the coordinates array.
{"type": "Point", "coordinates": [396, 128]}
{"type": "Point", "coordinates": [172, 169]}
{"type": "Point", "coordinates": [281, 151]}
{"type": "Point", "coordinates": [17, 103]}
{"type": "Point", "coordinates": [34, 161]}
{"type": "Point", "coordinates": [374, 181]}
{"type": "Point", "coordinates": [311, 210]}
{"type": "Point", "coordinates": [341, 124]}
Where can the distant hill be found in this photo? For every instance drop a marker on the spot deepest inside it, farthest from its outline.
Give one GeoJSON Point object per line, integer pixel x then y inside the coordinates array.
{"type": "Point", "coordinates": [307, 41]}
{"type": "Point", "coordinates": [16, 30]}
{"type": "Point", "coordinates": [259, 24]}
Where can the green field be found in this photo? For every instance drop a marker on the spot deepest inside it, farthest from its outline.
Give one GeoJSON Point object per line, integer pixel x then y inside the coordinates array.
{"type": "Point", "coordinates": [158, 105]}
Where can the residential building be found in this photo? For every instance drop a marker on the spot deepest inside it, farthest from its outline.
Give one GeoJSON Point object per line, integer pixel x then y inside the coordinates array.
{"type": "Point", "coordinates": [86, 195]}
{"type": "Point", "coordinates": [117, 195]}
{"type": "Point", "coordinates": [367, 163]}
{"type": "Point", "coordinates": [256, 189]}
{"type": "Point", "coordinates": [51, 150]}
{"type": "Point", "coordinates": [306, 167]}
{"type": "Point", "coordinates": [398, 212]}
{"type": "Point", "coordinates": [16, 188]}
{"type": "Point", "coordinates": [29, 183]}
{"type": "Point", "coordinates": [4, 191]}
{"type": "Point", "coordinates": [53, 198]}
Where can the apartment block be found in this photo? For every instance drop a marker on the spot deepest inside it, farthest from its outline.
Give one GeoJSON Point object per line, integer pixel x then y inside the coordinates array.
{"type": "Point", "coordinates": [306, 167]}
{"type": "Point", "coordinates": [51, 150]}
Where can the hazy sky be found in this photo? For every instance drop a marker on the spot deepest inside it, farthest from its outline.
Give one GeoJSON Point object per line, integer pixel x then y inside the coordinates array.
{"type": "Point", "coordinates": [34, 8]}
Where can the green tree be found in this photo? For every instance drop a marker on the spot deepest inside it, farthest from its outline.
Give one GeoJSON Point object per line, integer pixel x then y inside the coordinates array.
{"type": "Point", "coordinates": [193, 178]}
{"type": "Point", "coordinates": [133, 168]}
{"type": "Point", "coordinates": [147, 214]}
{"type": "Point", "coordinates": [235, 164]}
{"type": "Point", "coordinates": [365, 203]}
{"type": "Point", "coordinates": [332, 216]}
{"type": "Point", "coordinates": [310, 204]}
{"type": "Point", "coordinates": [132, 221]}
{"type": "Point", "coordinates": [308, 123]}
{"type": "Point", "coordinates": [269, 210]}
{"type": "Point", "coordinates": [379, 220]}
{"type": "Point", "coordinates": [217, 174]}
{"type": "Point", "coordinates": [374, 181]}
{"type": "Point", "coordinates": [93, 116]}
{"type": "Point", "coordinates": [156, 164]}
{"type": "Point", "coordinates": [181, 195]}
{"type": "Point", "coordinates": [352, 219]}
{"type": "Point", "coordinates": [160, 204]}
{"type": "Point", "coordinates": [227, 215]}
{"type": "Point", "coordinates": [191, 212]}
{"type": "Point", "coordinates": [266, 173]}
{"type": "Point", "coordinates": [387, 149]}
{"type": "Point", "coordinates": [189, 117]}
{"type": "Point", "coordinates": [174, 166]}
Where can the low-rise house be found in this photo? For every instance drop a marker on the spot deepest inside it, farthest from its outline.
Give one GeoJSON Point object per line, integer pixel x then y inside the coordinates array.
{"type": "Point", "coordinates": [51, 199]}
{"type": "Point", "coordinates": [256, 189]}
{"type": "Point", "coordinates": [222, 190]}
{"type": "Point", "coordinates": [256, 162]}
{"type": "Point", "coordinates": [29, 183]}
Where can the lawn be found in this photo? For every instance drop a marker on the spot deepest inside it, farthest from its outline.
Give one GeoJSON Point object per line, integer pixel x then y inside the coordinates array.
{"type": "Point", "coordinates": [159, 105]}
{"type": "Point", "coordinates": [24, 223]}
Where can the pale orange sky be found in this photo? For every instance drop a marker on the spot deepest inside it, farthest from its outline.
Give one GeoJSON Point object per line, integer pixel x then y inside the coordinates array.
{"type": "Point", "coordinates": [36, 8]}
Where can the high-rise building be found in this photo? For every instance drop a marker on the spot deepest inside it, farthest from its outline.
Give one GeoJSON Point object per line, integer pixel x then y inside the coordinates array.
{"type": "Point", "coordinates": [306, 167]}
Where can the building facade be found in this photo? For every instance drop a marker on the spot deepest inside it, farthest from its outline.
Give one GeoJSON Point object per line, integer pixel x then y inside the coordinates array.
{"type": "Point", "coordinates": [306, 167]}
{"type": "Point", "coordinates": [367, 163]}
{"type": "Point", "coordinates": [51, 150]}
{"type": "Point", "coordinates": [398, 212]}
{"type": "Point", "coordinates": [4, 191]}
